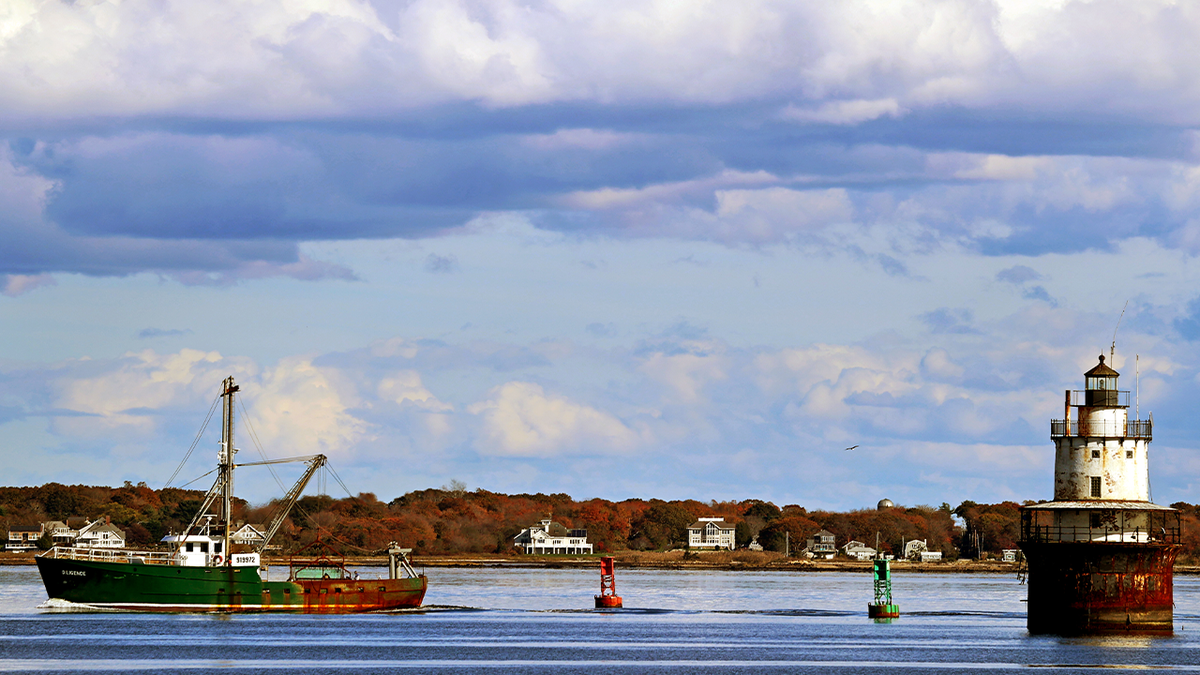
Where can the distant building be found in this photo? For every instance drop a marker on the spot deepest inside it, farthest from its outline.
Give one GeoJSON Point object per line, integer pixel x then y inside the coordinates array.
{"type": "Point", "coordinates": [23, 537]}
{"type": "Point", "coordinates": [711, 533]}
{"type": "Point", "coordinates": [754, 545]}
{"type": "Point", "coordinates": [249, 535]}
{"type": "Point", "coordinates": [931, 556]}
{"type": "Point", "coordinates": [822, 545]}
{"type": "Point", "coordinates": [858, 550]}
{"type": "Point", "coordinates": [62, 534]}
{"type": "Point", "coordinates": [100, 534]}
{"type": "Point", "coordinates": [913, 549]}
{"type": "Point", "coordinates": [551, 538]}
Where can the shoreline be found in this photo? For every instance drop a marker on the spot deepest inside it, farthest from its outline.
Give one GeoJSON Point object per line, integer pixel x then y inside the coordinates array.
{"type": "Point", "coordinates": [672, 560]}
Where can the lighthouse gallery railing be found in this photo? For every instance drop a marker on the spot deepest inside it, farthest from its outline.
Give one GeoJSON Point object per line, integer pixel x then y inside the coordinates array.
{"type": "Point", "coordinates": [1162, 528]}
{"type": "Point", "coordinates": [1142, 429]}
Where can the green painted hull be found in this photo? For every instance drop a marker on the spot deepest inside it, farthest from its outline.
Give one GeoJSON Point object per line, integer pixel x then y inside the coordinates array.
{"type": "Point", "coordinates": [172, 588]}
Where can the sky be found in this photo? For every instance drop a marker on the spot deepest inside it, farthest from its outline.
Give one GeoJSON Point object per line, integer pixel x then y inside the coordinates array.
{"type": "Point", "coordinates": [680, 250]}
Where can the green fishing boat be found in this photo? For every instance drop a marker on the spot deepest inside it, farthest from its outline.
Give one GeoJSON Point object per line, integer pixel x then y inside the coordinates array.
{"type": "Point", "coordinates": [203, 570]}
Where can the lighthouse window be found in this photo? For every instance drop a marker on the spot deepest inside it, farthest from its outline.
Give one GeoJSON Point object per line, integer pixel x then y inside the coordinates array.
{"type": "Point", "coordinates": [1095, 486]}
{"type": "Point", "coordinates": [1095, 454]}
{"type": "Point", "coordinates": [1128, 454]}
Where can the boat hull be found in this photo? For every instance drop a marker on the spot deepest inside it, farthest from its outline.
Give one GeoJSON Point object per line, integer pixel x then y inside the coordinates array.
{"type": "Point", "coordinates": [173, 588]}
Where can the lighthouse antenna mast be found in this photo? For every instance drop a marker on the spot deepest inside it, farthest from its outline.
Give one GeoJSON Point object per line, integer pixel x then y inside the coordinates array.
{"type": "Point", "coordinates": [1113, 350]}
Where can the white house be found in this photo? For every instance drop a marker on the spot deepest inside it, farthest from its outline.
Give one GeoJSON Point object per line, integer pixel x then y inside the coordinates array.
{"type": "Point", "coordinates": [858, 550]}
{"type": "Point", "coordinates": [100, 534]}
{"type": "Point", "coordinates": [551, 538]}
{"type": "Point", "coordinates": [914, 548]}
{"type": "Point", "coordinates": [61, 533]}
{"type": "Point", "coordinates": [711, 533]}
{"type": "Point", "coordinates": [249, 535]}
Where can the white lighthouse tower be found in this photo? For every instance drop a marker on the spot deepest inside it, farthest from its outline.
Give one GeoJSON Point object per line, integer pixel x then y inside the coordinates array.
{"type": "Point", "coordinates": [1101, 453]}
{"type": "Point", "coordinates": [1101, 554]}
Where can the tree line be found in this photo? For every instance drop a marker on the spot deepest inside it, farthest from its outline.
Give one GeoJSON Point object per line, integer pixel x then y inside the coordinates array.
{"type": "Point", "coordinates": [452, 520]}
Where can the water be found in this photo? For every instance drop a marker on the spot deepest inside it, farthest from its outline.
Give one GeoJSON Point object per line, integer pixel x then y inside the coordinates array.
{"type": "Point", "coordinates": [539, 621]}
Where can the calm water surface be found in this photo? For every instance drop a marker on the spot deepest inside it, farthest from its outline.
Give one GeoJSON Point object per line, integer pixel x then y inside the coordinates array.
{"type": "Point", "coordinates": [539, 621]}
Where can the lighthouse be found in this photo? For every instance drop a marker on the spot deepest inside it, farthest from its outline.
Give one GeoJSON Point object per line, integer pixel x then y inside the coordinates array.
{"type": "Point", "coordinates": [1101, 554]}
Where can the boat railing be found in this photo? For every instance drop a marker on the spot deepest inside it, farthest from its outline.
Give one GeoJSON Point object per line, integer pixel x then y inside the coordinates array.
{"type": "Point", "coordinates": [116, 555]}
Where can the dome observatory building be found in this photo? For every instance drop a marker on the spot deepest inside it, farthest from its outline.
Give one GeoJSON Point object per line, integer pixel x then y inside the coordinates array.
{"type": "Point", "coordinates": [1101, 554]}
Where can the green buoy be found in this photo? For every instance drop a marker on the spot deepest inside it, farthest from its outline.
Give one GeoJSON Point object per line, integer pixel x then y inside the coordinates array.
{"type": "Point", "coordinates": [883, 608]}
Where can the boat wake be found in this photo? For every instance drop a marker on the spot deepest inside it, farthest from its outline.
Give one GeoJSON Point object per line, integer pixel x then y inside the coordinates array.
{"type": "Point", "coordinates": [66, 606]}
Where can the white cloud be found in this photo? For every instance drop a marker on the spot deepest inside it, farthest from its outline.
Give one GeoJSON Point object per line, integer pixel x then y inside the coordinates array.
{"type": "Point", "coordinates": [406, 387]}
{"type": "Point", "coordinates": [125, 395]}
{"type": "Point", "coordinates": [302, 409]}
{"type": "Point", "coordinates": [845, 112]}
{"type": "Point", "coordinates": [839, 63]}
{"type": "Point", "coordinates": [521, 420]}
{"type": "Point", "coordinates": [688, 375]}
{"type": "Point", "coordinates": [13, 285]}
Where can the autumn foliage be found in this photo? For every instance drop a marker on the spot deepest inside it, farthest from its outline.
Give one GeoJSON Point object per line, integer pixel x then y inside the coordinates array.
{"type": "Point", "coordinates": [455, 521]}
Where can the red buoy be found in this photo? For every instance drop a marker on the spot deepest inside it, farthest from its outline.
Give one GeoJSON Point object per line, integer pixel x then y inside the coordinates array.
{"type": "Point", "coordinates": [608, 597]}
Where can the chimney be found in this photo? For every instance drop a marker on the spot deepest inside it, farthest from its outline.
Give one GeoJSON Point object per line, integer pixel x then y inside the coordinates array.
{"type": "Point", "coordinates": [108, 520]}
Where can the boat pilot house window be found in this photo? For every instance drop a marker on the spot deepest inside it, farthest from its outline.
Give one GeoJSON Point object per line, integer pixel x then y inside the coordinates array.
{"type": "Point", "coordinates": [1095, 486]}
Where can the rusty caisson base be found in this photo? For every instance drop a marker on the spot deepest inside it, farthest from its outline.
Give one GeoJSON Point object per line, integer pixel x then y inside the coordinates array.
{"type": "Point", "coordinates": [1092, 588]}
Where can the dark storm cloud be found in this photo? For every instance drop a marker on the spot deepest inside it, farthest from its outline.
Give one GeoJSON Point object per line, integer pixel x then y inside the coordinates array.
{"type": "Point", "coordinates": [285, 124]}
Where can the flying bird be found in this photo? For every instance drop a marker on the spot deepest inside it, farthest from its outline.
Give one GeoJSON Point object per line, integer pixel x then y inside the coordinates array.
{"type": "Point", "coordinates": [852, 447]}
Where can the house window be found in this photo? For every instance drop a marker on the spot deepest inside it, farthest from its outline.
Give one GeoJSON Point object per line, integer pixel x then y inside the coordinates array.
{"type": "Point", "coordinates": [1095, 486]}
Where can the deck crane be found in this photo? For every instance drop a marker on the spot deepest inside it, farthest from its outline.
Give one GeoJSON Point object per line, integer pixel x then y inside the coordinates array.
{"type": "Point", "coordinates": [315, 462]}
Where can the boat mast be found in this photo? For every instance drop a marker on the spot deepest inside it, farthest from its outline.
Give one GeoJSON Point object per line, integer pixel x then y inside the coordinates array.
{"type": "Point", "coordinates": [226, 461]}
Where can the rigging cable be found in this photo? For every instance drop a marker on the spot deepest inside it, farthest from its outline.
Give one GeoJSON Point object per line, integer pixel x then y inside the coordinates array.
{"type": "Point", "coordinates": [339, 480]}
{"type": "Point", "coordinates": [258, 445]}
{"type": "Point", "coordinates": [199, 434]}
{"type": "Point", "coordinates": [196, 479]}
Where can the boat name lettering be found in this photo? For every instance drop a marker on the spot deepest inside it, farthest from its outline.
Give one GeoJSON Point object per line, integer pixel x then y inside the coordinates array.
{"type": "Point", "coordinates": [74, 573]}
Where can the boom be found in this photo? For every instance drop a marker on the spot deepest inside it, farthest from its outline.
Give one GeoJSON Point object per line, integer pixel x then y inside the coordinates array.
{"type": "Point", "coordinates": [289, 500]}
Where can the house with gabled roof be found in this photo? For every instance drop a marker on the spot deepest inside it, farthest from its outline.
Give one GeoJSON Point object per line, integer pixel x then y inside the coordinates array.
{"type": "Point", "coordinates": [61, 534]}
{"type": "Point", "coordinates": [822, 545]}
{"type": "Point", "coordinates": [712, 533]}
{"type": "Point", "coordinates": [858, 550]}
{"type": "Point", "coordinates": [249, 534]}
{"type": "Point", "coordinates": [551, 538]}
{"type": "Point", "coordinates": [100, 534]}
